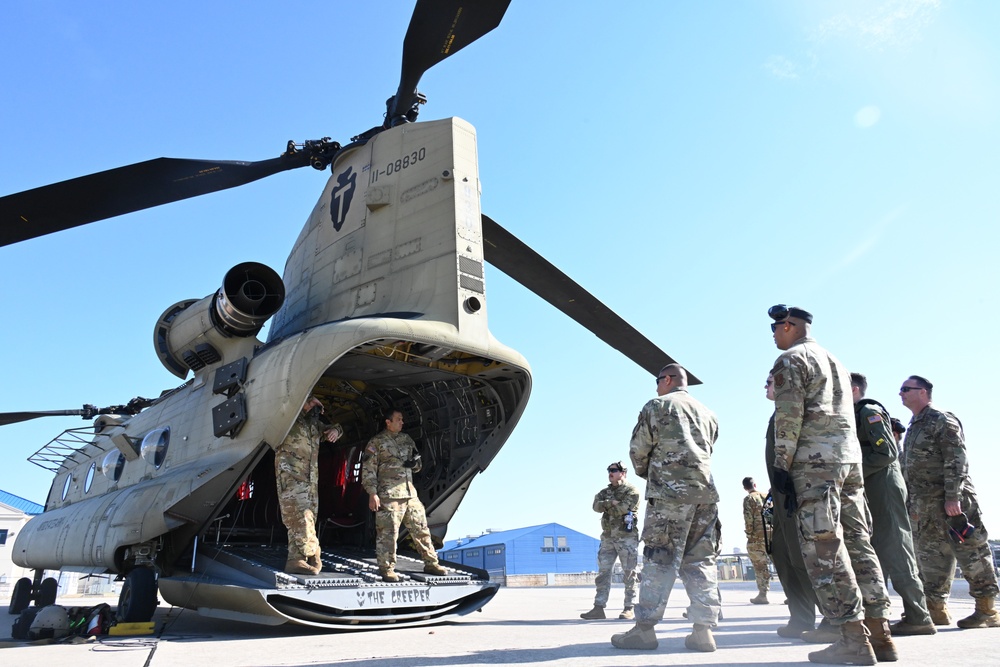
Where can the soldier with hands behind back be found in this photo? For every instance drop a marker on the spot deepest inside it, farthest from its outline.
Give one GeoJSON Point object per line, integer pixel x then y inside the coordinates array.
{"type": "Point", "coordinates": [817, 465]}
{"type": "Point", "coordinates": [671, 449]}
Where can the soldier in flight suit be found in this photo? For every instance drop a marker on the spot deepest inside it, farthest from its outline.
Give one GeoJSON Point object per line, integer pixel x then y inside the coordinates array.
{"type": "Point", "coordinates": [296, 472]}
{"type": "Point", "coordinates": [618, 504]}
{"type": "Point", "coordinates": [817, 461]}
{"type": "Point", "coordinates": [671, 449]}
{"type": "Point", "coordinates": [885, 492]}
{"type": "Point", "coordinates": [390, 459]}
{"type": "Point", "coordinates": [753, 526]}
{"type": "Point", "coordinates": [942, 503]}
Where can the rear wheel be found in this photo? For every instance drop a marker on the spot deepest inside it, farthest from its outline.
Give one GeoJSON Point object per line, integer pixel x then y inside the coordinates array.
{"type": "Point", "coordinates": [21, 597]}
{"type": "Point", "coordinates": [137, 601]}
{"type": "Point", "coordinates": [47, 592]}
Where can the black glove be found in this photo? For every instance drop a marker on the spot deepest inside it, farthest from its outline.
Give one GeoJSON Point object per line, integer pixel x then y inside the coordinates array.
{"type": "Point", "coordinates": [411, 463]}
{"type": "Point", "coordinates": [783, 483]}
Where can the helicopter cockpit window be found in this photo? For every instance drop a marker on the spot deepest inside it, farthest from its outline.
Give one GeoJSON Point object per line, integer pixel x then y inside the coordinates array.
{"type": "Point", "coordinates": [69, 480]}
{"type": "Point", "coordinates": [113, 464]}
{"type": "Point", "coordinates": [154, 446]}
{"type": "Point", "coordinates": [90, 477]}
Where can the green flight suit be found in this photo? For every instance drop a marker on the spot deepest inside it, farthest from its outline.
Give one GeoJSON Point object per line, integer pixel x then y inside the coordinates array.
{"type": "Point", "coordinates": [885, 492]}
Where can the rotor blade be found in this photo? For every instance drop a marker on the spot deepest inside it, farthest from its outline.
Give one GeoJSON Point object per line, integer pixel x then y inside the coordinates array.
{"type": "Point", "coordinates": [14, 417]}
{"type": "Point", "coordinates": [512, 256]}
{"type": "Point", "coordinates": [78, 201]}
{"type": "Point", "coordinates": [438, 29]}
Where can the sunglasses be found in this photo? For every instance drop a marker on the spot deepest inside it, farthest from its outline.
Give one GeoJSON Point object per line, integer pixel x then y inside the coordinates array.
{"type": "Point", "coordinates": [611, 470]}
{"type": "Point", "coordinates": [904, 390]}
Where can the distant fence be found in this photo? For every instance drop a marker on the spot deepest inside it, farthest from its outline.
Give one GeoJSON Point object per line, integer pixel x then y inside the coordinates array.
{"type": "Point", "coordinates": [730, 567]}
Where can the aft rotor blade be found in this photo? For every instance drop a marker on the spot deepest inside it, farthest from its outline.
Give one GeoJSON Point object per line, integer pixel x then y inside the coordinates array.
{"type": "Point", "coordinates": [78, 201]}
{"type": "Point", "coordinates": [439, 28]}
{"type": "Point", "coordinates": [512, 256]}
{"type": "Point", "coordinates": [14, 417]}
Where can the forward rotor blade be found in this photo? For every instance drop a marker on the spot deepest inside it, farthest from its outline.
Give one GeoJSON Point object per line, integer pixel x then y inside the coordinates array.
{"type": "Point", "coordinates": [15, 417]}
{"type": "Point", "coordinates": [78, 201]}
{"type": "Point", "coordinates": [512, 256]}
{"type": "Point", "coordinates": [438, 29]}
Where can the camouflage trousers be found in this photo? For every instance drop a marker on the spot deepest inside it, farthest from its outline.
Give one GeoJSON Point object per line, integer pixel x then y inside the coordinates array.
{"type": "Point", "coordinates": [410, 513]}
{"type": "Point", "coordinates": [835, 538]}
{"type": "Point", "coordinates": [612, 549]}
{"type": "Point", "coordinates": [679, 539]}
{"type": "Point", "coordinates": [937, 554]}
{"type": "Point", "coordinates": [761, 565]}
{"type": "Point", "coordinates": [296, 476]}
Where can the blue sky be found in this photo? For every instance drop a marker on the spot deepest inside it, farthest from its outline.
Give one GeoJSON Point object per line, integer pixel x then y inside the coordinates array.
{"type": "Point", "coordinates": [690, 163]}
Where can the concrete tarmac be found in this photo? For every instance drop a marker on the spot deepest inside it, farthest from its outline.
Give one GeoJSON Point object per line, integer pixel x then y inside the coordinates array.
{"type": "Point", "coordinates": [521, 626]}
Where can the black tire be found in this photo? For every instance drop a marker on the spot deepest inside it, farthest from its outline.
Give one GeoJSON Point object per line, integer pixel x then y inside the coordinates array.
{"type": "Point", "coordinates": [137, 601]}
{"type": "Point", "coordinates": [47, 592]}
{"type": "Point", "coordinates": [21, 597]}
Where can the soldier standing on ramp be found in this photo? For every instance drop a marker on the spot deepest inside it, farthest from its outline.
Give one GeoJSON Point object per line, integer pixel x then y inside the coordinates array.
{"type": "Point", "coordinates": [672, 450]}
{"type": "Point", "coordinates": [618, 504]}
{"type": "Point", "coordinates": [296, 469]}
{"type": "Point", "coordinates": [390, 459]}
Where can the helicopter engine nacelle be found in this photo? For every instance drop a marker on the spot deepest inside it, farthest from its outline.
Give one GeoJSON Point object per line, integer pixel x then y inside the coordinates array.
{"type": "Point", "coordinates": [196, 333]}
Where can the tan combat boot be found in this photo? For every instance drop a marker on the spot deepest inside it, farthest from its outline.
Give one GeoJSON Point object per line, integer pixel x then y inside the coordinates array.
{"type": "Point", "coordinates": [298, 566]}
{"type": "Point", "coordinates": [641, 636]}
{"type": "Point", "coordinates": [881, 639]}
{"type": "Point", "coordinates": [701, 639]}
{"type": "Point", "coordinates": [434, 568]}
{"type": "Point", "coordinates": [853, 647]}
{"type": "Point", "coordinates": [760, 599]}
{"type": "Point", "coordinates": [985, 616]}
{"type": "Point", "coordinates": [594, 614]}
{"type": "Point", "coordinates": [315, 563]}
{"type": "Point", "coordinates": [939, 612]}
{"type": "Point", "coordinates": [824, 634]}
{"type": "Point", "coordinates": [627, 614]}
{"type": "Point", "coordinates": [389, 575]}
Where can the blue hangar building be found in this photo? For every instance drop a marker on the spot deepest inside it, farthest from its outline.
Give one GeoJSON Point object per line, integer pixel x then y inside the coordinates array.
{"type": "Point", "coordinates": [543, 549]}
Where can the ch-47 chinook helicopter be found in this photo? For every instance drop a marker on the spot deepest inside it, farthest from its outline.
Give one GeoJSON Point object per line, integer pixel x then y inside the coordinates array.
{"type": "Point", "coordinates": [382, 303]}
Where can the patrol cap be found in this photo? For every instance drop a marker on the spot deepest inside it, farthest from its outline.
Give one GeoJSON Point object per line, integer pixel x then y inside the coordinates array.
{"type": "Point", "coordinates": [782, 312]}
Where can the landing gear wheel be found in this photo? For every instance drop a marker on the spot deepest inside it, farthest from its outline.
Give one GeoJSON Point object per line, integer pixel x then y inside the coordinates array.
{"type": "Point", "coordinates": [21, 597]}
{"type": "Point", "coordinates": [47, 592]}
{"type": "Point", "coordinates": [137, 601]}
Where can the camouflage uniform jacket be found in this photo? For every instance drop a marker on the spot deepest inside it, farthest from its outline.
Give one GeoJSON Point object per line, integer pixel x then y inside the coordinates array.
{"type": "Point", "coordinates": [813, 408]}
{"type": "Point", "coordinates": [878, 447]}
{"type": "Point", "coordinates": [614, 502]}
{"type": "Point", "coordinates": [934, 459]}
{"type": "Point", "coordinates": [382, 470]}
{"type": "Point", "coordinates": [671, 449]}
{"type": "Point", "coordinates": [753, 518]}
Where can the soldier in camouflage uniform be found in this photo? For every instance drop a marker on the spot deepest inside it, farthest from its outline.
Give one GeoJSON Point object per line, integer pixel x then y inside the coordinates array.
{"type": "Point", "coordinates": [817, 461]}
{"type": "Point", "coordinates": [936, 471]}
{"type": "Point", "coordinates": [387, 468]}
{"type": "Point", "coordinates": [297, 476]}
{"type": "Point", "coordinates": [785, 552]}
{"type": "Point", "coordinates": [618, 504]}
{"type": "Point", "coordinates": [753, 526]}
{"type": "Point", "coordinates": [671, 449]}
{"type": "Point", "coordinates": [885, 492]}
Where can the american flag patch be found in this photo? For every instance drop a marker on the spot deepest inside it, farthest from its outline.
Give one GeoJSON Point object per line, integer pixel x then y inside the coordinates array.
{"type": "Point", "coordinates": [874, 419]}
